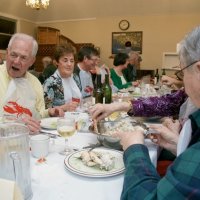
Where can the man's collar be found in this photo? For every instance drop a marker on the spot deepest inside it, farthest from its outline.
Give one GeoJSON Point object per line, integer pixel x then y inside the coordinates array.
{"type": "Point", "coordinates": [80, 67]}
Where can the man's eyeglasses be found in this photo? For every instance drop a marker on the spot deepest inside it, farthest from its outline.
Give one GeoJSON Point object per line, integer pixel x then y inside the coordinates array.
{"type": "Point", "coordinates": [180, 73]}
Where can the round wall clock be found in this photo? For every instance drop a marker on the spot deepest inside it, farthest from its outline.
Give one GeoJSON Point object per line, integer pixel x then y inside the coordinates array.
{"type": "Point", "coordinates": [124, 24]}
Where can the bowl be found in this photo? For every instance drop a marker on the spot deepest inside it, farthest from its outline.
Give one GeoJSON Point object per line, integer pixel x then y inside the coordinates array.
{"type": "Point", "coordinates": [152, 120]}
{"type": "Point", "coordinates": [106, 129]}
{"type": "Point", "coordinates": [109, 142]}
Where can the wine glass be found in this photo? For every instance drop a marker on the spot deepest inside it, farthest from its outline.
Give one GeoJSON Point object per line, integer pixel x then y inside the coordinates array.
{"type": "Point", "coordinates": [66, 127]}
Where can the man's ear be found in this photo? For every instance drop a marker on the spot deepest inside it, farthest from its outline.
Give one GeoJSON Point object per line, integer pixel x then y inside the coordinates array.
{"type": "Point", "coordinates": [33, 60]}
{"type": "Point", "coordinates": [198, 69]}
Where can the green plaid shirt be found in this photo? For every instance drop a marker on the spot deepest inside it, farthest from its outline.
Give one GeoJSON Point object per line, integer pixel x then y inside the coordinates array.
{"type": "Point", "coordinates": [182, 180]}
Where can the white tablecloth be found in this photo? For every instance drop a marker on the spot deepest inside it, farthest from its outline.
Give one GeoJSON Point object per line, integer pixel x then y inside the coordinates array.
{"type": "Point", "coordinates": [51, 181]}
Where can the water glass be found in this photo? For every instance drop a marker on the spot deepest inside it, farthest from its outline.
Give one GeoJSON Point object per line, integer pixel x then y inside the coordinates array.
{"type": "Point", "coordinates": [39, 145]}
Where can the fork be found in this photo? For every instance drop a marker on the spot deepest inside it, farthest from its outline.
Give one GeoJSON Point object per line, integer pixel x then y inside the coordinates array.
{"type": "Point", "coordinates": [92, 146]}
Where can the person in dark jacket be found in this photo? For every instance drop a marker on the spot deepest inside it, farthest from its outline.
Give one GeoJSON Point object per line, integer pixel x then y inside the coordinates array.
{"type": "Point", "coordinates": [130, 73]}
{"type": "Point", "coordinates": [120, 63]}
{"type": "Point", "coordinates": [49, 69]}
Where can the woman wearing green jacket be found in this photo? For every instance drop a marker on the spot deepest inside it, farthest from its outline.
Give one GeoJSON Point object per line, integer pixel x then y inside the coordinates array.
{"type": "Point", "coordinates": [120, 63]}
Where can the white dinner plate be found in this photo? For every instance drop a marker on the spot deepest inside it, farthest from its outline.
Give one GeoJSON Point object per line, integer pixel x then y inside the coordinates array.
{"type": "Point", "coordinates": [75, 165]}
{"type": "Point", "coordinates": [49, 123]}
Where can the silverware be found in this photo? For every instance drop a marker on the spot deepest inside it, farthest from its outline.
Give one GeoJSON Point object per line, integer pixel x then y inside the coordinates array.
{"type": "Point", "coordinates": [51, 135]}
{"type": "Point", "coordinates": [147, 130]}
{"type": "Point", "coordinates": [92, 146]}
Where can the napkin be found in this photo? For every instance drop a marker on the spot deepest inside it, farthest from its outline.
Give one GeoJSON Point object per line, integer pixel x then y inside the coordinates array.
{"type": "Point", "coordinates": [9, 190]}
{"type": "Point", "coordinates": [184, 137]}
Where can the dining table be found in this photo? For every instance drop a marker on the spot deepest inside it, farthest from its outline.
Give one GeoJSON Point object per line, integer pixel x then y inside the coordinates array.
{"type": "Point", "coordinates": [52, 180]}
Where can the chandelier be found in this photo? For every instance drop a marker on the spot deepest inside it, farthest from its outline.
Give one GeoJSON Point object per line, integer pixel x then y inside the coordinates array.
{"type": "Point", "coordinates": [37, 4]}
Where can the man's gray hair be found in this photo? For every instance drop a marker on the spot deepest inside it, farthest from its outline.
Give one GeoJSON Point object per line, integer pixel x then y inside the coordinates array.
{"type": "Point", "coordinates": [190, 47]}
{"type": "Point", "coordinates": [24, 37]}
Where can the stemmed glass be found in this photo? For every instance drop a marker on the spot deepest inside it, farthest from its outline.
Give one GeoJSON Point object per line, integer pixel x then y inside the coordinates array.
{"type": "Point", "coordinates": [66, 127]}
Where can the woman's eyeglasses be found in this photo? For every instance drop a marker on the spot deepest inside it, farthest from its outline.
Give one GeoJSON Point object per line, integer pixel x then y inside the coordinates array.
{"type": "Point", "coordinates": [179, 74]}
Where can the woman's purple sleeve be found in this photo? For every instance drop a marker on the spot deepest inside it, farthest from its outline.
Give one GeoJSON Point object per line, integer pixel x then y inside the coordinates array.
{"type": "Point", "coordinates": [166, 105]}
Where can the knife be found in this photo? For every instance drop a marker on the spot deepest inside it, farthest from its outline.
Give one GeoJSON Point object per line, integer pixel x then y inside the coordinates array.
{"type": "Point", "coordinates": [51, 135]}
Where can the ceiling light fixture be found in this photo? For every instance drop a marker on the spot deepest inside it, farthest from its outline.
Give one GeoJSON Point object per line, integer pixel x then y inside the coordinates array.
{"type": "Point", "coordinates": [37, 4]}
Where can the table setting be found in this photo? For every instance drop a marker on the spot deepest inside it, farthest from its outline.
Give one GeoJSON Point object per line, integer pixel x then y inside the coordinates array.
{"type": "Point", "coordinates": [69, 176]}
{"type": "Point", "coordinates": [54, 176]}
{"type": "Point", "coordinates": [143, 90]}
{"type": "Point", "coordinates": [59, 178]}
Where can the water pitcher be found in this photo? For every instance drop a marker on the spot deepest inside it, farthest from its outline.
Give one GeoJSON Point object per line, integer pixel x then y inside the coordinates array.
{"type": "Point", "coordinates": [14, 156]}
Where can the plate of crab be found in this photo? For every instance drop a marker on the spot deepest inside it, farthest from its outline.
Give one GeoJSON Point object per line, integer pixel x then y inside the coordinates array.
{"type": "Point", "coordinates": [99, 162]}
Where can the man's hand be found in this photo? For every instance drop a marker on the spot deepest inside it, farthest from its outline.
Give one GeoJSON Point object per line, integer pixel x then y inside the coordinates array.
{"type": "Point", "coordinates": [129, 138]}
{"type": "Point", "coordinates": [166, 138]}
{"type": "Point", "coordinates": [173, 125]}
{"type": "Point", "coordinates": [32, 124]}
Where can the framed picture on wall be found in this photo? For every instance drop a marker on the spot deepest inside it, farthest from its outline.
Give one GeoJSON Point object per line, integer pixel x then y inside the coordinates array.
{"type": "Point", "coordinates": [123, 40]}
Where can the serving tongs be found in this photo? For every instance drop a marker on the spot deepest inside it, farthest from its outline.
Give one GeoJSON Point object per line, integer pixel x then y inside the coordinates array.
{"type": "Point", "coordinates": [147, 130]}
{"type": "Point", "coordinates": [94, 127]}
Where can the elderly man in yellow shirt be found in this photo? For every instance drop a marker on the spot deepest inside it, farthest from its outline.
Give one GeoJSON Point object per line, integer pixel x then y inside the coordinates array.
{"type": "Point", "coordinates": [21, 93]}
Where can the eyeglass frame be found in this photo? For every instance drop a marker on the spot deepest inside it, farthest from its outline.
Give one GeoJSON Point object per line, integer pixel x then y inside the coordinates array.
{"type": "Point", "coordinates": [179, 74]}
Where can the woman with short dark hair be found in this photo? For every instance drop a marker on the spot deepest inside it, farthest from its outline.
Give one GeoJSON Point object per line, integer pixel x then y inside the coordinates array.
{"type": "Point", "coordinates": [121, 60]}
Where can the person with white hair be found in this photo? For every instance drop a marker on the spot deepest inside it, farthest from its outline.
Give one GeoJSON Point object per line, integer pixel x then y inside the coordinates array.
{"type": "Point", "coordinates": [182, 180]}
{"type": "Point", "coordinates": [21, 92]}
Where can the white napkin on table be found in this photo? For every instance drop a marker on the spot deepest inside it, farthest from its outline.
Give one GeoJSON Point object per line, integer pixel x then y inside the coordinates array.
{"type": "Point", "coordinates": [9, 190]}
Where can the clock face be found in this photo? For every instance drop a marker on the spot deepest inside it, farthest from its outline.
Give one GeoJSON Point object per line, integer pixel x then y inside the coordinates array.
{"type": "Point", "coordinates": [124, 24]}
